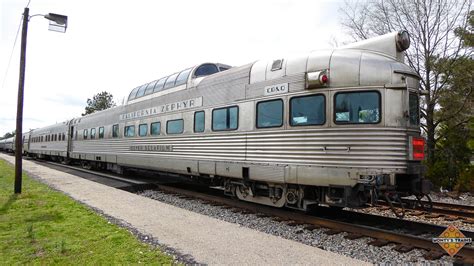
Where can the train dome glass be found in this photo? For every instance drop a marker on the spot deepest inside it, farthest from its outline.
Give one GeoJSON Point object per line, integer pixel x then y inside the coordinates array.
{"type": "Point", "coordinates": [176, 79]}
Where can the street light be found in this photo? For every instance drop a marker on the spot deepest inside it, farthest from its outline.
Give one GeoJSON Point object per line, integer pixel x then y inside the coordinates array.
{"type": "Point", "coordinates": [57, 23]}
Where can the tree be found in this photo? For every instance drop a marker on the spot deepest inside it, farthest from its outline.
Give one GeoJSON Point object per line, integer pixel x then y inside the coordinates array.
{"type": "Point", "coordinates": [9, 135]}
{"type": "Point", "coordinates": [432, 25]}
{"type": "Point", "coordinates": [100, 101]}
{"type": "Point", "coordinates": [455, 136]}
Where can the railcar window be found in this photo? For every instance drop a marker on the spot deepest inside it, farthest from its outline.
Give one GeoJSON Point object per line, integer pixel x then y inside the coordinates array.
{"type": "Point", "coordinates": [199, 121]}
{"type": "Point", "coordinates": [92, 133]}
{"type": "Point", "coordinates": [150, 87]}
{"type": "Point", "coordinates": [357, 107]}
{"type": "Point", "coordinates": [308, 110]}
{"type": "Point", "coordinates": [170, 81]}
{"type": "Point", "coordinates": [414, 109]}
{"type": "Point", "coordinates": [205, 70]}
{"type": "Point", "coordinates": [85, 133]}
{"type": "Point", "coordinates": [142, 130]}
{"type": "Point", "coordinates": [225, 118]}
{"type": "Point", "coordinates": [42, 139]}
{"type": "Point", "coordinates": [182, 77]}
{"type": "Point", "coordinates": [175, 126]}
{"type": "Point", "coordinates": [129, 131]}
{"type": "Point", "coordinates": [270, 113]}
{"type": "Point", "coordinates": [155, 128]}
{"type": "Point", "coordinates": [133, 94]}
{"type": "Point", "coordinates": [101, 132]}
{"type": "Point", "coordinates": [75, 137]}
{"type": "Point", "coordinates": [159, 85]}
{"type": "Point", "coordinates": [115, 131]}
{"type": "Point", "coordinates": [141, 91]}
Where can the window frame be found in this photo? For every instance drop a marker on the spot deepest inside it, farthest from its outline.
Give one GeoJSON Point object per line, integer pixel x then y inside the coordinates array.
{"type": "Point", "coordinates": [172, 78]}
{"type": "Point", "coordinates": [151, 128]}
{"type": "Point", "coordinates": [101, 135]}
{"type": "Point", "coordinates": [93, 131]}
{"type": "Point", "coordinates": [125, 131]}
{"type": "Point", "coordinates": [167, 126]}
{"type": "Point", "coordinates": [140, 126]}
{"type": "Point", "coordinates": [348, 123]}
{"type": "Point", "coordinates": [227, 107]}
{"type": "Point", "coordinates": [115, 131]}
{"type": "Point", "coordinates": [282, 112]}
{"type": "Point", "coordinates": [303, 96]}
{"type": "Point", "coordinates": [418, 109]}
{"type": "Point", "coordinates": [194, 120]}
{"type": "Point", "coordinates": [85, 133]}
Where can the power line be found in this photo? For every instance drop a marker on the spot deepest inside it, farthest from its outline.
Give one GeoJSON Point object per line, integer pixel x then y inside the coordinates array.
{"type": "Point", "coordinates": [11, 54]}
{"type": "Point", "coordinates": [13, 49]}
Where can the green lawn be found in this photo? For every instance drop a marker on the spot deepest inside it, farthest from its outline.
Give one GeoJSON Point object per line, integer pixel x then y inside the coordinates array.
{"type": "Point", "coordinates": [42, 226]}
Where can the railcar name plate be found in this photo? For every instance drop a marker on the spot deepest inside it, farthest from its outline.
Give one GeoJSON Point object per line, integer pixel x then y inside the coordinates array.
{"type": "Point", "coordinates": [166, 108]}
{"type": "Point", "coordinates": [152, 148]}
{"type": "Point", "coordinates": [275, 89]}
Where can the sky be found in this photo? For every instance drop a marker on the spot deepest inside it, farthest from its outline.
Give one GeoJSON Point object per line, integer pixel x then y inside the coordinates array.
{"type": "Point", "coordinates": [116, 45]}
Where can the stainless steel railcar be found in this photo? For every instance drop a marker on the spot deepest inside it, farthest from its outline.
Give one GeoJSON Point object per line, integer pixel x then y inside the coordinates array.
{"type": "Point", "coordinates": [334, 127]}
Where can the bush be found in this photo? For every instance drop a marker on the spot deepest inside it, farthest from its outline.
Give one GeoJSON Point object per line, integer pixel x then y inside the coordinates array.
{"type": "Point", "coordinates": [465, 182]}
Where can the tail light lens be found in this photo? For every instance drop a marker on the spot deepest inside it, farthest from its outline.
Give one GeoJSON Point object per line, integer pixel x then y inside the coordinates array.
{"type": "Point", "coordinates": [418, 145]}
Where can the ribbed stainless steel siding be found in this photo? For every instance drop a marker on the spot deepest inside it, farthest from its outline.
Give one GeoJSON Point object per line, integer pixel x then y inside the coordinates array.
{"type": "Point", "coordinates": [331, 147]}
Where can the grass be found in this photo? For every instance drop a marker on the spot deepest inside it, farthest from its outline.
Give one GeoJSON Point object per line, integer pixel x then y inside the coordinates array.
{"type": "Point", "coordinates": [43, 226]}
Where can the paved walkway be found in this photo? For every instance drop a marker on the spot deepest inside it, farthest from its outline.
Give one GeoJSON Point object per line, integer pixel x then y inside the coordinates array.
{"type": "Point", "coordinates": [207, 240]}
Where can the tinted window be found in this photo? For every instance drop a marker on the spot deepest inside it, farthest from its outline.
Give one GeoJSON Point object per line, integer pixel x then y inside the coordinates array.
{"type": "Point", "coordinates": [270, 113]}
{"type": "Point", "coordinates": [129, 131]}
{"type": "Point", "coordinates": [93, 133]}
{"type": "Point", "coordinates": [101, 132]}
{"type": "Point", "coordinates": [159, 85]}
{"type": "Point", "coordinates": [225, 118]}
{"type": "Point", "coordinates": [357, 107]}
{"type": "Point", "coordinates": [308, 110]}
{"type": "Point", "coordinates": [115, 131]}
{"type": "Point", "coordinates": [414, 109]}
{"type": "Point", "coordinates": [182, 77]}
{"type": "Point", "coordinates": [170, 81]}
{"type": "Point", "coordinates": [175, 126]}
{"type": "Point", "coordinates": [199, 121]}
{"type": "Point", "coordinates": [155, 128]}
{"type": "Point", "coordinates": [141, 91]}
{"type": "Point", "coordinates": [150, 87]}
{"type": "Point", "coordinates": [85, 133]}
{"type": "Point", "coordinates": [205, 70]}
{"type": "Point", "coordinates": [133, 93]}
{"type": "Point", "coordinates": [143, 130]}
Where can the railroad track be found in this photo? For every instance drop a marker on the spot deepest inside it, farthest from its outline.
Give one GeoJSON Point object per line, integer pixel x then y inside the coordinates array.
{"type": "Point", "coordinates": [405, 242]}
{"type": "Point", "coordinates": [356, 225]}
{"type": "Point", "coordinates": [440, 209]}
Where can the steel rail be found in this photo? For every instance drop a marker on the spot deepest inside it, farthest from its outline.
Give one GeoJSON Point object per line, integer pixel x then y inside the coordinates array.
{"type": "Point", "coordinates": [461, 211]}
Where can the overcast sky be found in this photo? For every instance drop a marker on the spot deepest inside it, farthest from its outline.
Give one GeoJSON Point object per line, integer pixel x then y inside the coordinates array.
{"type": "Point", "coordinates": [117, 45]}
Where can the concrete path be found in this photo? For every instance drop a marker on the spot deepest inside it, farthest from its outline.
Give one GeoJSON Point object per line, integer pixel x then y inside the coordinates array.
{"type": "Point", "coordinates": [207, 240]}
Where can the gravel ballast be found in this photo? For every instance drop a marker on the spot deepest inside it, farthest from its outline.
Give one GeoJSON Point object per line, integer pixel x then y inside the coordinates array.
{"type": "Point", "coordinates": [358, 248]}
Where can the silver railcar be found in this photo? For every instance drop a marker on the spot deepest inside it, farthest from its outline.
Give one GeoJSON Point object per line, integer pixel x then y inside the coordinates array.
{"type": "Point", "coordinates": [334, 127]}
{"type": "Point", "coordinates": [49, 141]}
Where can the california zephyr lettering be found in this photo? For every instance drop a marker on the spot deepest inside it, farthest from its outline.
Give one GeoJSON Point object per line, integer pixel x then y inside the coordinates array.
{"type": "Point", "coordinates": [170, 107]}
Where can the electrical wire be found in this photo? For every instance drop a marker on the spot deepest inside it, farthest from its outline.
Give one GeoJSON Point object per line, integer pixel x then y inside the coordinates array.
{"type": "Point", "coordinates": [13, 49]}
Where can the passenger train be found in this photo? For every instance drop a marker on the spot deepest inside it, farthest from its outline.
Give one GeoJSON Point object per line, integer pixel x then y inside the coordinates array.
{"type": "Point", "coordinates": [335, 127]}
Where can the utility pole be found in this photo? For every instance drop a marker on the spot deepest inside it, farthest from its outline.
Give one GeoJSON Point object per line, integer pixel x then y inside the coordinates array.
{"type": "Point", "coordinates": [19, 112]}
